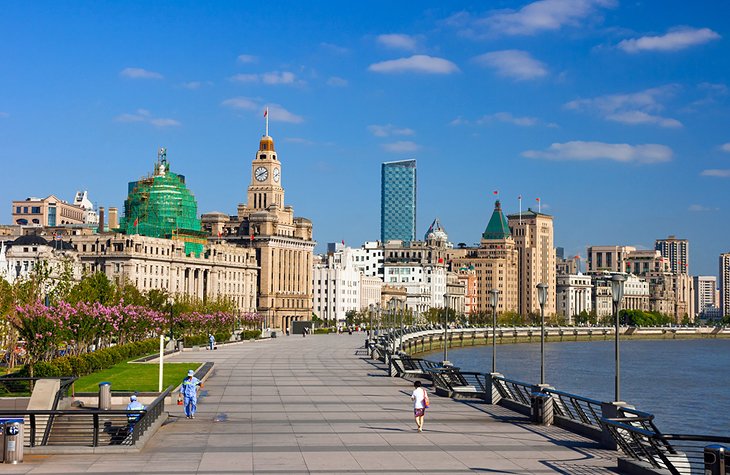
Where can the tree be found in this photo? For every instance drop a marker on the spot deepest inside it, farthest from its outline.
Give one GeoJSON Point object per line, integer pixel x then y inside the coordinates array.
{"type": "Point", "coordinates": [94, 288]}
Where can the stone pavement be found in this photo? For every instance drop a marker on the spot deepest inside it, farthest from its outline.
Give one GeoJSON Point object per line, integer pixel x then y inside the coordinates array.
{"type": "Point", "coordinates": [315, 405]}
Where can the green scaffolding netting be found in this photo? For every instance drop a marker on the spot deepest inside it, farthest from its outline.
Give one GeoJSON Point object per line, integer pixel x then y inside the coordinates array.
{"type": "Point", "coordinates": [162, 206]}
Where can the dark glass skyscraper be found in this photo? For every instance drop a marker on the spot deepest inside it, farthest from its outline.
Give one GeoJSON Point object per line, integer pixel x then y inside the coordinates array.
{"type": "Point", "coordinates": [398, 201]}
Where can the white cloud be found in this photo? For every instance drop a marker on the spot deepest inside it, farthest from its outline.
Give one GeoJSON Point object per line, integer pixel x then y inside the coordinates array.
{"type": "Point", "coordinates": [388, 130]}
{"type": "Point", "coordinates": [145, 116]}
{"type": "Point", "coordinates": [246, 58]}
{"type": "Point", "coordinates": [631, 109]}
{"type": "Point", "coordinates": [459, 121]}
{"type": "Point", "coordinates": [677, 39]}
{"type": "Point", "coordinates": [700, 208]}
{"type": "Point", "coordinates": [242, 103]}
{"type": "Point", "coordinates": [4, 115]}
{"type": "Point", "coordinates": [724, 147]}
{"type": "Point", "coordinates": [640, 117]}
{"type": "Point", "coordinates": [533, 18]}
{"type": "Point", "coordinates": [337, 49]}
{"type": "Point", "coordinates": [398, 41]}
{"type": "Point", "coordinates": [513, 63]}
{"type": "Point", "coordinates": [276, 112]}
{"type": "Point", "coordinates": [404, 146]}
{"type": "Point", "coordinates": [619, 152]}
{"type": "Point", "coordinates": [139, 73]}
{"type": "Point", "coordinates": [337, 81]}
{"type": "Point", "coordinates": [270, 78]}
{"type": "Point", "coordinates": [419, 63]}
{"type": "Point", "coordinates": [716, 173]}
{"type": "Point", "coordinates": [508, 118]}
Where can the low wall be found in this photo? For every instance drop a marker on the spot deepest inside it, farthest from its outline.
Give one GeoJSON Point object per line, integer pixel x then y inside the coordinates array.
{"type": "Point", "coordinates": [428, 340]}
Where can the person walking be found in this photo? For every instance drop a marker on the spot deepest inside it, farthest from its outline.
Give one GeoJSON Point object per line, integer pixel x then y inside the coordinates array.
{"type": "Point", "coordinates": [420, 403]}
{"type": "Point", "coordinates": [189, 392]}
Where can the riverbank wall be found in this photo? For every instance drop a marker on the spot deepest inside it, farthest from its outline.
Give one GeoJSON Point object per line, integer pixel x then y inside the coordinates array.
{"type": "Point", "coordinates": [428, 340]}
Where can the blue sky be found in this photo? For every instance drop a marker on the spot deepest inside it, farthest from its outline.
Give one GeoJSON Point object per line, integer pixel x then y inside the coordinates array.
{"type": "Point", "coordinates": [615, 113]}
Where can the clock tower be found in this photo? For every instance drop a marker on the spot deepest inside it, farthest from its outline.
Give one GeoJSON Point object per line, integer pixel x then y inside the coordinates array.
{"type": "Point", "coordinates": [283, 242]}
{"type": "Point", "coordinates": [265, 188]}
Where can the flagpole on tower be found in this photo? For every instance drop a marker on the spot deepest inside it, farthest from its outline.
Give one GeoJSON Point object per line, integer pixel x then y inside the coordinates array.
{"type": "Point", "coordinates": [266, 116]}
{"type": "Point", "coordinates": [539, 205]}
{"type": "Point", "coordinates": [519, 198]}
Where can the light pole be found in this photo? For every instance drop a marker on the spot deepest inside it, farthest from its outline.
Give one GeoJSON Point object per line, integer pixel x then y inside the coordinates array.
{"type": "Point", "coordinates": [402, 306]}
{"type": "Point", "coordinates": [370, 328]}
{"type": "Point", "coordinates": [446, 326]}
{"type": "Point", "coordinates": [617, 293]}
{"type": "Point", "coordinates": [392, 304]}
{"type": "Point", "coordinates": [542, 298]}
{"type": "Point", "coordinates": [493, 301]}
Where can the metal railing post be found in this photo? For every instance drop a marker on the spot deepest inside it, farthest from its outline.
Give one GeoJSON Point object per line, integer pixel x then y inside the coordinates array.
{"type": "Point", "coordinates": [95, 441]}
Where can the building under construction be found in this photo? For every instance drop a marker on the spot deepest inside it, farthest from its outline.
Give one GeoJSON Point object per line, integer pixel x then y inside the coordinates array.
{"type": "Point", "coordinates": [162, 206]}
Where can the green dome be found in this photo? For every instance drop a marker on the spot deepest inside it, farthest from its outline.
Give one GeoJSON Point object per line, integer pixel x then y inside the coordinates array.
{"type": "Point", "coordinates": [162, 206]}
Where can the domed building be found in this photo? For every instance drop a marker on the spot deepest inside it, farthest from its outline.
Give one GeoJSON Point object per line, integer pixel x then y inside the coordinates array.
{"type": "Point", "coordinates": [162, 206]}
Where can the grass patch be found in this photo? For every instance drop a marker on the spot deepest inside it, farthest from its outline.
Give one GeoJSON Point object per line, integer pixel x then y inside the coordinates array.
{"type": "Point", "coordinates": [141, 377]}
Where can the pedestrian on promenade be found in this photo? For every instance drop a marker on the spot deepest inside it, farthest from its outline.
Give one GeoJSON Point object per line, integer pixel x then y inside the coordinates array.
{"type": "Point", "coordinates": [420, 403]}
{"type": "Point", "coordinates": [133, 405]}
{"type": "Point", "coordinates": [189, 392]}
{"type": "Point", "coordinates": [211, 341]}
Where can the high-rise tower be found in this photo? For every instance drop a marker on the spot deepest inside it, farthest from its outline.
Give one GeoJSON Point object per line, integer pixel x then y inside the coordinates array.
{"type": "Point", "coordinates": [398, 201]}
{"type": "Point", "coordinates": [725, 284]}
{"type": "Point", "coordinates": [533, 234]}
{"type": "Point", "coordinates": [677, 251]}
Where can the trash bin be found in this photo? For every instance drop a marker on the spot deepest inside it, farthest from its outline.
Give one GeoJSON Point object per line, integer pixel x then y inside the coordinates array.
{"type": "Point", "coordinates": [717, 458]}
{"type": "Point", "coordinates": [105, 396]}
{"type": "Point", "coordinates": [13, 441]}
{"type": "Point", "coordinates": [542, 408]}
{"type": "Point", "coordinates": [273, 334]}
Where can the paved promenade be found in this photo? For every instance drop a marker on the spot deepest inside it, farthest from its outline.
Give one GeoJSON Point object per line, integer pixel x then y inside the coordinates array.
{"type": "Point", "coordinates": [313, 405]}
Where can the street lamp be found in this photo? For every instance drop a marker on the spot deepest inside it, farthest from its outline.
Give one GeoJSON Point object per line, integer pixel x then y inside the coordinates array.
{"type": "Point", "coordinates": [171, 303]}
{"type": "Point", "coordinates": [617, 293]}
{"type": "Point", "coordinates": [493, 301]}
{"type": "Point", "coordinates": [370, 328]}
{"type": "Point", "coordinates": [446, 326]}
{"type": "Point", "coordinates": [402, 306]}
{"type": "Point", "coordinates": [542, 298]}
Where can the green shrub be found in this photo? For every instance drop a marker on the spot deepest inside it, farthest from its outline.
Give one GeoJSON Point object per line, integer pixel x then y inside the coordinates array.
{"type": "Point", "coordinates": [46, 369]}
{"type": "Point", "coordinates": [195, 340]}
{"type": "Point", "coordinates": [322, 331]}
{"type": "Point", "coordinates": [222, 336]}
{"type": "Point", "coordinates": [250, 334]}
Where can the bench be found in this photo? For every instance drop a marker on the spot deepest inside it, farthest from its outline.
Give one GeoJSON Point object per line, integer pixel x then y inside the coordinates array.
{"type": "Point", "coordinates": [452, 382]}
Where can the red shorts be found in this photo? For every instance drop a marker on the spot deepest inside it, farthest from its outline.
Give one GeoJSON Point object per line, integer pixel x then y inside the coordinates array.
{"type": "Point", "coordinates": [419, 412]}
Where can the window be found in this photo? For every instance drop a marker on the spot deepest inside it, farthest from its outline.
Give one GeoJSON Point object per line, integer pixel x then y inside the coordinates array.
{"type": "Point", "coordinates": [18, 209]}
{"type": "Point", "coordinates": [35, 209]}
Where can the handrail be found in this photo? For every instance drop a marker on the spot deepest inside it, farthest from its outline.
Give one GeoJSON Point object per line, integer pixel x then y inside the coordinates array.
{"type": "Point", "coordinates": [146, 419]}
{"type": "Point", "coordinates": [60, 394]}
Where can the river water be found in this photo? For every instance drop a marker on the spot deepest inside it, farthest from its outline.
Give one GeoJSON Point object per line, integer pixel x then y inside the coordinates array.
{"type": "Point", "coordinates": [684, 383]}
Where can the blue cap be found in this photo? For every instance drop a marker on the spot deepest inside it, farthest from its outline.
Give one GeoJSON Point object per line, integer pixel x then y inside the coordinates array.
{"type": "Point", "coordinates": [191, 372]}
{"type": "Point", "coordinates": [132, 397]}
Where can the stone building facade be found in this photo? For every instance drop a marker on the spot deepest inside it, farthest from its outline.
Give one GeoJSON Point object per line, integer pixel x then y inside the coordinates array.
{"type": "Point", "coordinates": [222, 270]}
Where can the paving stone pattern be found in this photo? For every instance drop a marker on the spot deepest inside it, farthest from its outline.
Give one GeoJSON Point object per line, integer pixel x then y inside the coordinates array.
{"type": "Point", "coordinates": [317, 405]}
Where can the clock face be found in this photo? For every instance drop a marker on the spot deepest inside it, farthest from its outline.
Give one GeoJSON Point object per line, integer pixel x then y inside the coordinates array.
{"type": "Point", "coordinates": [276, 175]}
{"type": "Point", "coordinates": [261, 173]}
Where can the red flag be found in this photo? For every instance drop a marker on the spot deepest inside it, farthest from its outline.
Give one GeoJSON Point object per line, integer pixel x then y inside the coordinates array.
{"type": "Point", "coordinates": [251, 237]}
{"type": "Point", "coordinates": [495, 192]}
{"type": "Point", "coordinates": [441, 260]}
{"type": "Point", "coordinates": [266, 112]}
{"type": "Point", "coordinates": [343, 242]}
{"type": "Point", "coordinates": [136, 222]}
{"type": "Point", "coordinates": [537, 199]}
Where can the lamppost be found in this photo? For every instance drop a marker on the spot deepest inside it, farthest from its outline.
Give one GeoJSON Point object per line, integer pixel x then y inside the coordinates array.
{"type": "Point", "coordinates": [542, 298]}
{"type": "Point", "coordinates": [617, 293]}
{"type": "Point", "coordinates": [402, 306]}
{"type": "Point", "coordinates": [446, 326]}
{"type": "Point", "coordinates": [370, 328]}
{"type": "Point", "coordinates": [493, 301]}
{"type": "Point", "coordinates": [171, 303]}
{"type": "Point", "coordinates": [392, 305]}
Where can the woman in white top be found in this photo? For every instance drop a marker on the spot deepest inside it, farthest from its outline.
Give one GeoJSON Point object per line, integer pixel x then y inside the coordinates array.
{"type": "Point", "coordinates": [420, 403]}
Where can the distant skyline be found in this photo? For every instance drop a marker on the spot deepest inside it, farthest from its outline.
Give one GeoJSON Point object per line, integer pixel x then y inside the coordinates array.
{"type": "Point", "coordinates": [615, 113]}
